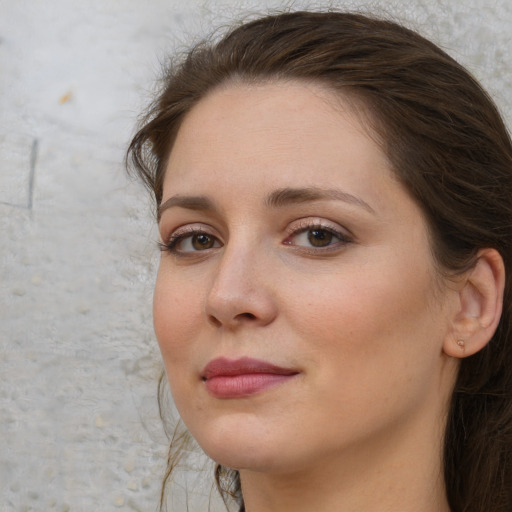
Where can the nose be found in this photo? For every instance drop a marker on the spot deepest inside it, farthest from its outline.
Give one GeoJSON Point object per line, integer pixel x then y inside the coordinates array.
{"type": "Point", "coordinates": [241, 291]}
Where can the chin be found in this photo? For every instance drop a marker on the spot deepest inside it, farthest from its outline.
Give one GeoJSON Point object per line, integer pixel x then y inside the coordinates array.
{"type": "Point", "coordinates": [239, 453]}
{"type": "Point", "coordinates": [252, 460]}
{"type": "Point", "coordinates": [241, 447]}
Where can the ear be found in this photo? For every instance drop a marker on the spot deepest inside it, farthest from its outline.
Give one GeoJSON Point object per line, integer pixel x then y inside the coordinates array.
{"type": "Point", "coordinates": [480, 305]}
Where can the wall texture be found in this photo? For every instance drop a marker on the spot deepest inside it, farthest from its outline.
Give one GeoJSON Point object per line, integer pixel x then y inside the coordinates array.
{"type": "Point", "coordinates": [79, 426]}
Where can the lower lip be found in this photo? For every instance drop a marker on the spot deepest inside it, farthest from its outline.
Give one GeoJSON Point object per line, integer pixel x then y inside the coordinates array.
{"type": "Point", "coordinates": [239, 386]}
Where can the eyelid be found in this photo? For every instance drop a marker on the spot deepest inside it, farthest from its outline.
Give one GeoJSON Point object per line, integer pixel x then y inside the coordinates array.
{"type": "Point", "coordinates": [181, 233]}
{"type": "Point", "coordinates": [189, 228]}
{"type": "Point", "coordinates": [301, 225]}
{"type": "Point", "coordinates": [296, 228]}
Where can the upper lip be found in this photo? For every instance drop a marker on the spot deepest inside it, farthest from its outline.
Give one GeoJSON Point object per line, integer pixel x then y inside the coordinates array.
{"type": "Point", "coordinates": [231, 367]}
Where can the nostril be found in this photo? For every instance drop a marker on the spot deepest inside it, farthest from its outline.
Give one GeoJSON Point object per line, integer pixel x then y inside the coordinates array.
{"type": "Point", "coordinates": [248, 316]}
{"type": "Point", "coordinates": [238, 318]}
{"type": "Point", "coordinates": [215, 321]}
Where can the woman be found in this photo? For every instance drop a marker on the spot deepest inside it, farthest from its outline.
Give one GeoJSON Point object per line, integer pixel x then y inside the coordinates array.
{"type": "Point", "coordinates": [333, 303]}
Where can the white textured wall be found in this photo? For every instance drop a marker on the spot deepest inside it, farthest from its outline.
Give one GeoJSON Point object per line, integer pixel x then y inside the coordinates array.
{"type": "Point", "coordinates": [79, 429]}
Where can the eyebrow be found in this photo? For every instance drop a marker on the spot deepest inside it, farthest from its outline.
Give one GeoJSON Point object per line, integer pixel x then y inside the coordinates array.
{"type": "Point", "coordinates": [285, 196]}
{"type": "Point", "coordinates": [199, 203]}
{"type": "Point", "coordinates": [277, 199]}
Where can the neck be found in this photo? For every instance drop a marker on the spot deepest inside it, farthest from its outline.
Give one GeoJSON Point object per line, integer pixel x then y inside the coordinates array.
{"type": "Point", "coordinates": [401, 470]}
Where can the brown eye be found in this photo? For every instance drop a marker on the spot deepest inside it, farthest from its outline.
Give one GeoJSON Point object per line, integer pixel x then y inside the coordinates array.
{"type": "Point", "coordinates": [319, 237]}
{"type": "Point", "coordinates": [190, 242]}
{"type": "Point", "coordinates": [202, 241]}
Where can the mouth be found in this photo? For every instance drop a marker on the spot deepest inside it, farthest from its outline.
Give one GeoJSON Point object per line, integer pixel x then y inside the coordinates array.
{"type": "Point", "coordinates": [239, 378]}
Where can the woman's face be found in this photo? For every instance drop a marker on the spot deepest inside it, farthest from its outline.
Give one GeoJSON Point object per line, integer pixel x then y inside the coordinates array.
{"type": "Point", "coordinates": [297, 306]}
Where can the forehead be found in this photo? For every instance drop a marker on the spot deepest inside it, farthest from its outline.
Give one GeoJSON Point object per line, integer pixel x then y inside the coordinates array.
{"type": "Point", "coordinates": [277, 133]}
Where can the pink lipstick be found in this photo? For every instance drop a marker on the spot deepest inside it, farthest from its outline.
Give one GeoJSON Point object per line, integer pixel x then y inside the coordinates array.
{"type": "Point", "coordinates": [227, 378]}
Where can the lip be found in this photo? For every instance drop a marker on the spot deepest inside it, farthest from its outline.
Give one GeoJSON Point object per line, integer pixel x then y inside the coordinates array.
{"type": "Point", "coordinates": [238, 378]}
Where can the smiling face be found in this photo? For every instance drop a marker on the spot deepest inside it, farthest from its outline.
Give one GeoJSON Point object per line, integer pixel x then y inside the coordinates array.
{"type": "Point", "coordinates": [297, 306]}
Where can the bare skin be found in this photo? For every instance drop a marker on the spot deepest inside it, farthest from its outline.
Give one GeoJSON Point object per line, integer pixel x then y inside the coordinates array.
{"type": "Point", "coordinates": [296, 245]}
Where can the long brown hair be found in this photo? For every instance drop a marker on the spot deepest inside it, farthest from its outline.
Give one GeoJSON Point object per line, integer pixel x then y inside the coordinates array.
{"type": "Point", "coordinates": [447, 144]}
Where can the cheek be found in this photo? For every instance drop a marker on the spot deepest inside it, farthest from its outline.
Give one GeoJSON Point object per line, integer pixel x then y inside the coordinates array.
{"type": "Point", "coordinates": [177, 317]}
{"type": "Point", "coordinates": [368, 319]}
{"type": "Point", "coordinates": [368, 339]}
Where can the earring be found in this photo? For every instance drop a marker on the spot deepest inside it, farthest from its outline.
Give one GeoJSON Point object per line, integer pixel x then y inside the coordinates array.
{"type": "Point", "coordinates": [461, 343]}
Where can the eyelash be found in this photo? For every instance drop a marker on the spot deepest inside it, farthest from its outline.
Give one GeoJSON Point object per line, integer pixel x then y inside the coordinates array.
{"type": "Point", "coordinates": [180, 236]}
{"type": "Point", "coordinates": [342, 239]}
